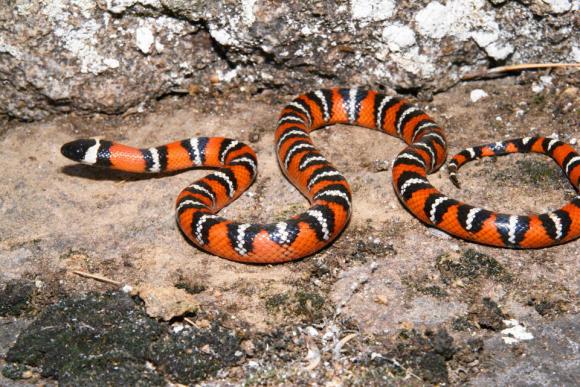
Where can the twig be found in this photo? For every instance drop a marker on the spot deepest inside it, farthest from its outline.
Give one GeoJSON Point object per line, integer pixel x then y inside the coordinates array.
{"type": "Point", "coordinates": [97, 277]}
{"type": "Point", "coordinates": [517, 67]}
{"type": "Point", "coordinates": [190, 322]}
{"type": "Point", "coordinates": [313, 356]}
{"type": "Point", "coordinates": [341, 343]}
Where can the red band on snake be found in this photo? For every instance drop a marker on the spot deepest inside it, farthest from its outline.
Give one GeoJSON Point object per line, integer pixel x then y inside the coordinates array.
{"type": "Point", "coordinates": [327, 189]}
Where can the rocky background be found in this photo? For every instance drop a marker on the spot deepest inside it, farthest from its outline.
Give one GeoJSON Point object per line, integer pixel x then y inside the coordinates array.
{"type": "Point", "coordinates": [111, 56]}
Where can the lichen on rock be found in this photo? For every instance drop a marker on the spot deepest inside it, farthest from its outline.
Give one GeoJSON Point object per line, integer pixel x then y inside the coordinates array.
{"type": "Point", "coordinates": [83, 56]}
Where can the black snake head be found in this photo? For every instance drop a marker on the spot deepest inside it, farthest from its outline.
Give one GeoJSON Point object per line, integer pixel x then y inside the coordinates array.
{"type": "Point", "coordinates": [77, 150]}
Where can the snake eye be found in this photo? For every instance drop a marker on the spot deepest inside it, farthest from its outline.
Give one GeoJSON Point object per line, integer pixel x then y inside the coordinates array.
{"type": "Point", "coordinates": [76, 150]}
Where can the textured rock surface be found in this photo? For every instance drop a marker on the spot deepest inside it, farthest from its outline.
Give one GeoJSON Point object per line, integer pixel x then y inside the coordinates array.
{"type": "Point", "coordinates": [110, 56]}
{"type": "Point", "coordinates": [551, 358]}
{"type": "Point", "coordinates": [378, 307]}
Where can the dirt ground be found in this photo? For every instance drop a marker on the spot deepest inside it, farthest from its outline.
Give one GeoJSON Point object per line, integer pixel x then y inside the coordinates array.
{"type": "Point", "coordinates": [390, 302]}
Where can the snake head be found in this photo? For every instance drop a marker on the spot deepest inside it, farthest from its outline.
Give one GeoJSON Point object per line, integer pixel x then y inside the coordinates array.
{"type": "Point", "coordinates": [77, 150]}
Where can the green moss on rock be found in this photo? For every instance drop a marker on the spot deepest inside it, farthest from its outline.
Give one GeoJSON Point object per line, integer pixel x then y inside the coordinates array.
{"type": "Point", "coordinates": [15, 298]}
{"type": "Point", "coordinates": [107, 339]}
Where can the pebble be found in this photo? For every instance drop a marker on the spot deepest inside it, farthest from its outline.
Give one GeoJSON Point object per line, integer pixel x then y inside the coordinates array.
{"type": "Point", "coordinates": [381, 165]}
{"type": "Point", "coordinates": [127, 289]}
{"type": "Point", "coordinates": [178, 327]}
{"type": "Point", "coordinates": [254, 137]}
{"type": "Point", "coordinates": [248, 347]}
{"type": "Point", "coordinates": [537, 87]}
{"type": "Point", "coordinates": [477, 94]}
{"type": "Point", "coordinates": [253, 364]}
{"type": "Point", "coordinates": [570, 91]}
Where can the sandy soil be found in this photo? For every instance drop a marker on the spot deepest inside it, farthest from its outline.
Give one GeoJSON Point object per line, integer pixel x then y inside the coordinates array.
{"type": "Point", "coordinates": [396, 284]}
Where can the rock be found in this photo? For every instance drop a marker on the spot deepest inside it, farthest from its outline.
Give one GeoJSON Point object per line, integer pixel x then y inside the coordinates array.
{"type": "Point", "coordinates": [76, 340]}
{"type": "Point", "coordinates": [167, 302]}
{"type": "Point", "coordinates": [107, 339]}
{"type": "Point", "coordinates": [477, 94]}
{"type": "Point", "coordinates": [194, 355]}
{"type": "Point", "coordinates": [248, 347]}
{"type": "Point", "coordinates": [81, 56]}
{"type": "Point", "coordinates": [551, 358]}
{"type": "Point", "coordinates": [10, 328]}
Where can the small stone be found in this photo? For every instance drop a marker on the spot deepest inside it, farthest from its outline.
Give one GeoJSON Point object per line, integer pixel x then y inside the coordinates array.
{"type": "Point", "coordinates": [546, 80]}
{"type": "Point", "coordinates": [458, 283]}
{"type": "Point", "coordinates": [178, 327]}
{"type": "Point", "coordinates": [570, 91]}
{"type": "Point", "coordinates": [254, 137]}
{"type": "Point", "coordinates": [381, 165]}
{"type": "Point", "coordinates": [515, 333]}
{"type": "Point", "coordinates": [248, 347]}
{"type": "Point", "coordinates": [253, 364]}
{"type": "Point", "coordinates": [167, 302]}
{"type": "Point", "coordinates": [127, 289]}
{"type": "Point", "coordinates": [477, 94]}
{"type": "Point", "coordinates": [537, 87]}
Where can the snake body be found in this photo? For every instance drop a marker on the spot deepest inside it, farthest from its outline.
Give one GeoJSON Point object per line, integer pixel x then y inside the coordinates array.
{"type": "Point", "coordinates": [326, 188]}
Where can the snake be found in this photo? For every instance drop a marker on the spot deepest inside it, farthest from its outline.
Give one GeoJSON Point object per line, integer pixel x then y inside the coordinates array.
{"type": "Point", "coordinates": [234, 168]}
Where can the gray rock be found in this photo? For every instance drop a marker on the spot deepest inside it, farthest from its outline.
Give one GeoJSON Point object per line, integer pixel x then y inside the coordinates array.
{"type": "Point", "coordinates": [87, 56]}
{"type": "Point", "coordinates": [549, 359]}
